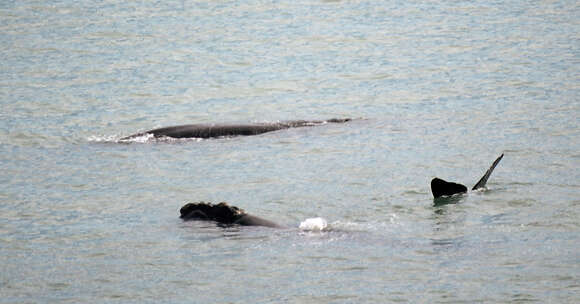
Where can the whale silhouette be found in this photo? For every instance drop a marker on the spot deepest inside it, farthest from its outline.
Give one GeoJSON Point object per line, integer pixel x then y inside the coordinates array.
{"type": "Point", "coordinates": [440, 187]}
{"type": "Point", "coordinates": [220, 130]}
{"type": "Point", "coordinates": [223, 214]}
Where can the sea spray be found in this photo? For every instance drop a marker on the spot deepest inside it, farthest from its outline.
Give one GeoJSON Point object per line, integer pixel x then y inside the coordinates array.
{"type": "Point", "coordinates": [313, 224]}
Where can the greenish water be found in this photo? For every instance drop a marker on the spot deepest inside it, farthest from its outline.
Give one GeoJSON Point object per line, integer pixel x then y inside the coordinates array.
{"type": "Point", "coordinates": [438, 89]}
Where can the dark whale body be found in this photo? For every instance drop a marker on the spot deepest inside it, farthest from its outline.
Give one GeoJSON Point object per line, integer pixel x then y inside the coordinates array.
{"type": "Point", "coordinates": [220, 130]}
{"type": "Point", "coordinates": [441, 187]}
{"type": "Point", "coordinates": [223, 214]}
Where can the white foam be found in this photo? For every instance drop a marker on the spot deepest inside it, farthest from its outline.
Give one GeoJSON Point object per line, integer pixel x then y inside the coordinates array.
{"type": "Point", "coordinates": [104, 138]}
{"type": "Point", "coordinates": [480, 190]}
{"type": "Point", "coordinates": [147, 138]}
{"type": "Point", "coordinates": [313, 224]}
{"type": "Point", "coordinates": [144, 138]}
{"type": "Point", "coordinates": [138, 139]}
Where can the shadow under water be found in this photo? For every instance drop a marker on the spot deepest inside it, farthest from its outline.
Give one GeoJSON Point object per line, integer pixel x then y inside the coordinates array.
{"type": "Point", "coordinates": [446, 200]}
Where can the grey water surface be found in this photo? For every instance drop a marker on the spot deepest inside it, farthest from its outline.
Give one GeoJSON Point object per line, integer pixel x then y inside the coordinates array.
{"type": "Point", "coordinates": [437, 88]}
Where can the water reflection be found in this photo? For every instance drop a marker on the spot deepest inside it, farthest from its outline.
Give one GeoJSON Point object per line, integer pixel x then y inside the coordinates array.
{"type": "Point", "coordinates": [447, 243]}
{"type": "Point", "coordinates": [445, 200]}
{"type": "Point", "coordinates": [448, 221]}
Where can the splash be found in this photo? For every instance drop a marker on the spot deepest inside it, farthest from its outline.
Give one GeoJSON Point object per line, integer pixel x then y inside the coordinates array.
{"type": "Point", "coordinates": [142, 139]}
{"type": "Point", "coordinates": [146, 137]}
{"type": "Point", "coordinates": [313, 224]}
{"type": "Point", "coordinates": [103, 138]}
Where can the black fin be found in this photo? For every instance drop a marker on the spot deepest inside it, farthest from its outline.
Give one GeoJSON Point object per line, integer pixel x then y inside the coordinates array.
{"type": "Point", "coordinates": [440, 188]}
{"type": "Point", "coordinates": [481, 183]}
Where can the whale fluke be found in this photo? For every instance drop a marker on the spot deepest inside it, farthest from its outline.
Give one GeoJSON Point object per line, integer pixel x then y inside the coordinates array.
{"type": "Point", "coordinates": [441, 187]}
{"type": "Point", "coordinates": [481, 183]}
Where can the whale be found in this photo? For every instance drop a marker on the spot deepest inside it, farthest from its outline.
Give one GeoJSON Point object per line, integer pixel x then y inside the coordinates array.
{"type": "Point", "coordinates": [229, 130]}
{"type": "Point", "coordinates": [223, 213]}
{"type": "Point", "coordinates": [441, 188]}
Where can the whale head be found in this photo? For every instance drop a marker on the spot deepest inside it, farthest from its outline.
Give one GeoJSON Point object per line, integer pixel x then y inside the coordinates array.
{"type": "Point", "coordinates": [221, 212]}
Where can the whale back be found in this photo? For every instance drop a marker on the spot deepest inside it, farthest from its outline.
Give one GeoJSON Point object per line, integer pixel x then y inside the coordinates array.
{"type": "Point", "coordinates": [251, 220]}
{"type": "Point", "coordinates": [215, 130]}
{"type": "Point", "coordinates": [224, 130]}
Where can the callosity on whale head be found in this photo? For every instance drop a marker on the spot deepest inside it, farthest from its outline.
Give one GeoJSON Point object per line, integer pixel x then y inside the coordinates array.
{"type": "Point", "coordinates": [222, 213]}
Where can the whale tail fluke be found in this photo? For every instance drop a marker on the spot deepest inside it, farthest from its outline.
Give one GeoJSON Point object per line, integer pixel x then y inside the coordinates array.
{"type": "Point", "coordinates": [481, 183]}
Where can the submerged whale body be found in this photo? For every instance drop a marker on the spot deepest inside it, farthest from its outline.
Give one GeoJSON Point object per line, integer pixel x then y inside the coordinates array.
{"type": "Point", "coordinates": [219, 130]}
{"type": "Point", "coordinates": [441, 187]}
{"type": "Point", "coordinates": [223, 214]}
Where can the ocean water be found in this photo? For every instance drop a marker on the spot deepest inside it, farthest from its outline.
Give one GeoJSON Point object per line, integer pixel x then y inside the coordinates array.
{"type": "Point", "coordinates": [435, 89]}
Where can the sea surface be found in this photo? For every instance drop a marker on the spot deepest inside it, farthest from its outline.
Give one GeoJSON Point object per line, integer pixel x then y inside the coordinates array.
{"type": "Point", "coordinates": [435, 88]}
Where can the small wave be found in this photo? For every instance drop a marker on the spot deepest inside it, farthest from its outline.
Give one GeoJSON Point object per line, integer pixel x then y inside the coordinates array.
{"type": "Point", "coordinates": [103, 138]}
{"type": "Point", "coordinates": [389, 225]}
{"type": "Point", "coordinates": [142, 139]}
{"type": "Point", "coordinates": [116, 139]}
{"type": "Point", "coordinates": [320, 224]}
{"type": "Point", "coordinates": [166, 139]}
{"type": "Point", "coordinates": [146, 137]}
{"type": "Point", "coordinates": [481, 190]}
{"type": "Point", "coordinates": [487, 189]}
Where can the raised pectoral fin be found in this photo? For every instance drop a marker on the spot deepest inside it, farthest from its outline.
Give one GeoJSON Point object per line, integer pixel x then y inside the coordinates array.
{"type": "Point", "coordinates": [481, 183]}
